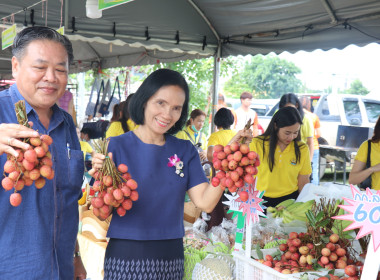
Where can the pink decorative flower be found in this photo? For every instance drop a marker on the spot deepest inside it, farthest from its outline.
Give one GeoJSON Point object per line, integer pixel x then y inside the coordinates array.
{"type": "Point", "coordinates": [173, 160]}
{"type": "Point", "coordinates": [177, 163]}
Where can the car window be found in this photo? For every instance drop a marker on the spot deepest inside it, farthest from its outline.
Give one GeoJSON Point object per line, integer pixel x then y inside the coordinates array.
{"type": "Point", "coordinates": [352, 112]}
{"type": "Point", "coordinates": [373, 110]}
{"type": "Point", "coordinates": [259, 111]}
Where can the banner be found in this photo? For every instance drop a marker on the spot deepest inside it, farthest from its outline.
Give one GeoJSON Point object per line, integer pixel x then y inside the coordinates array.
{"type": "Point", "coordinates": [7, 37]}
{"type": "Point", "coordinates": [106, 4]}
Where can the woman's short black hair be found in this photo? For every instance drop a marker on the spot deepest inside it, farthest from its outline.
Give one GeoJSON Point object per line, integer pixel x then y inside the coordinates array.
{"type": "Point", "coordinates": [155, 81]}
{"type": "Point", "coordinates": [293, 99]}
{"type": "Point", "coordinates": [224, 118]}
{"type": "Point", "coordinates": [30, 34]}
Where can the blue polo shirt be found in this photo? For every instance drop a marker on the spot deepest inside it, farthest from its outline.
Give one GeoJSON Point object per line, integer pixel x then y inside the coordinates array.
{"type": "Point", "coordinates": [37, 238]}
{"type": "Point", "coordinates": [158, 213]}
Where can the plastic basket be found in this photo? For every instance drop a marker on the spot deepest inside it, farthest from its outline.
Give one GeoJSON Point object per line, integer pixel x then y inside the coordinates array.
{"type": "Point", "coordinates": [253, 270]}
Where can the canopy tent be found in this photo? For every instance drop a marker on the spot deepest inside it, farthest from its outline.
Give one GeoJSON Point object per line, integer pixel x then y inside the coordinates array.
{"type": "Point", "coordinates": [146, 31]}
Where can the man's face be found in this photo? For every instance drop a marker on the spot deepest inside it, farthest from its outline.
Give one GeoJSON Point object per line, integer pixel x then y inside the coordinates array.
{"type": "Point", "coordinates": [41, 74]}
{"type": "Point", "coordinates": [246, 102]}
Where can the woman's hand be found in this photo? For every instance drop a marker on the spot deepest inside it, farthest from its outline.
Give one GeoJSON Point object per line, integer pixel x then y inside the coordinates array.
{"type": "Point", "coordinates": [10, 133]}
{"type": "Point", "coordinates": [245, 134]}
{"type": "Point", "coordinates": [97, 162]}
{"type": "Point", "coordinates": [203, 155]}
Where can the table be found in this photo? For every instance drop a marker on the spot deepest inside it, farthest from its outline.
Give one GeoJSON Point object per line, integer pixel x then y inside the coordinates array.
{"type": "Point", "coordinates": [336, 153]}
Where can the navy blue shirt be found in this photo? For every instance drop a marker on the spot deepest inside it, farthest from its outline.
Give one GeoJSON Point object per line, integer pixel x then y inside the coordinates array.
{"type": "Point", "coordinates": [158, 213]}
{"type": "Point", "coordinates": [37, 238]}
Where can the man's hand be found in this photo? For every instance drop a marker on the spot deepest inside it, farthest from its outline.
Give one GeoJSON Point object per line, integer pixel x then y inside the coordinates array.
{"type": "Point", "coordinates": [9, 135]}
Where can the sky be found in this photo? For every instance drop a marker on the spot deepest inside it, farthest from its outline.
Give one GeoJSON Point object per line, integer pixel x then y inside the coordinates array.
{"type": "Point", "coordinates": [338, 68]}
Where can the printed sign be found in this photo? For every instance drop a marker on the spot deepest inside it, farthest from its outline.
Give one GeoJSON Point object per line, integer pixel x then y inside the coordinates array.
{"type": "Point", "coordinates": [7, 36]}
{"type": "Point", "coordinates": [364, 211]}
{"type": "Point", "coordinates": [61, 30]}
{"type": "Point", "coordinates": [106, 4]}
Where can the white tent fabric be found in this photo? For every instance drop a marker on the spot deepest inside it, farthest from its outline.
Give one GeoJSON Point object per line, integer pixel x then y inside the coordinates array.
{"type": "Point", "coordinates": [148, 31]}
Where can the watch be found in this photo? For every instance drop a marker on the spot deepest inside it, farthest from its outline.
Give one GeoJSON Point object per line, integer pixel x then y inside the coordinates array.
{"type": "Point", "coordinates": [76, 254]}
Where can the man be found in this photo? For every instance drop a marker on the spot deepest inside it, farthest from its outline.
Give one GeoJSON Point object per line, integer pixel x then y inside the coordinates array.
{"type": "Point", "coordinates": [244, 113]}
{"type": "Point", "coordinates": [306, 104]}
{"type": "Point", "coordinates": [38, 238]}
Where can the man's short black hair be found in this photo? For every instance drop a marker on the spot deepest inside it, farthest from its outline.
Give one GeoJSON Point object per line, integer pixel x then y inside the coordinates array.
{"type": "Point", "coordinates": [158, 79]}
{"type": "Point", "coordinates": [30, 34]}
{"type": "Point", "coordinates": [224, 118]}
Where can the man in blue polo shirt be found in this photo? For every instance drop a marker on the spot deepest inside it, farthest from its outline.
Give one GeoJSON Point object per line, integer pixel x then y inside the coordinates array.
{"type": "Point", "coordinates": [38, 238]}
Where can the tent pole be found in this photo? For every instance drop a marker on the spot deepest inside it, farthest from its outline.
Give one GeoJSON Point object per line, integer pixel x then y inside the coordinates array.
{"type": "Point", "coordinates": [215, 84]}
{"type": "Point", "coordinates": [66, 20]}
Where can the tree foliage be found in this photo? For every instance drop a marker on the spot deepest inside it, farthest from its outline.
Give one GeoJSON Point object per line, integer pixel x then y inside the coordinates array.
{"type": "Point", "coordinates": [265, 77]}
{"type": "Point", "coordinates": [357, 87]}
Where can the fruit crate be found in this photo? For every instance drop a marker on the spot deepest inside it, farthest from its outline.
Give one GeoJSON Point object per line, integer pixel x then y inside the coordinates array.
{"type": "Point", "coordinates": [249, 269]}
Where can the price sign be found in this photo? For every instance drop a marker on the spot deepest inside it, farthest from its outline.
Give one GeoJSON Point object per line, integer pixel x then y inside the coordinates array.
{"type": "Point", "coordinates": [364, 211]}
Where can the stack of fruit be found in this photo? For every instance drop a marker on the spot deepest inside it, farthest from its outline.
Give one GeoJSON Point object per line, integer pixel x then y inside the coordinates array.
{"type": "Point", "coordinates": [289, 210]}
{"type": "Point", "coordinates": [31, 166]}
{"type": "Point", "coordinates": [235, 165]}
{"type": "Point", "coordinates": [114, 187]}
{"type": "Point", "coordinates": [299, 255]}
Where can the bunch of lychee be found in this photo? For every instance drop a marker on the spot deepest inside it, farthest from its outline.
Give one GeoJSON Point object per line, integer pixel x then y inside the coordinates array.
{"type": "Point", "coordinates": [114, 188]}
{"type": "Point", "coordinates": [235, 165]}
{"type": "Point", "coordinates": [32, 165]}
{"type": "Point", "coordinates": [300, 256]}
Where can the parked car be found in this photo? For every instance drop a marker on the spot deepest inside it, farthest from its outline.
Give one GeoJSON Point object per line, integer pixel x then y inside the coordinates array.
{"type": "Point", "coordinates": [338, 110]}
{"type": "Point", "coordinates": [263, 106]}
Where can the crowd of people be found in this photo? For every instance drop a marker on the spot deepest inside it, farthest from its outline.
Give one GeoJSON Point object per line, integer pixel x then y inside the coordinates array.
{"type": "Point", "coordinates": [146, 130]}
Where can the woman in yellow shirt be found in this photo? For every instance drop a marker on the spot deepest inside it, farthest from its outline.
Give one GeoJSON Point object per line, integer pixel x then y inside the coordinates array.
{"type": "Point", "coordinates": [193, 133]}
{"type": "Point", "coordinates": [360, 171]}
{"type": "Point", "coordinates": [223, 120]}
{"type": "Point", "coordinates": [124, 123]}
{"type": "Point", "coordinates": [284, 160]}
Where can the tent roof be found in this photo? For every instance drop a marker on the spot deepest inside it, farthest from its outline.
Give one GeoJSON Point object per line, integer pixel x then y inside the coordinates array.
{"type": "Point", "coordinates": [240, 27]}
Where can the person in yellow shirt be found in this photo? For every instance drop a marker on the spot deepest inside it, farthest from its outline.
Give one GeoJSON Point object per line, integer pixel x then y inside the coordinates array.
{"type": "Point", "coordinates": [284, 160]}
{"type": "Point", "coordinates": [124, 123]}
{"type": "Point", "coordinates": [360, 171]}
{"type": "Point", "coordinates": [307, 128]}
{"type": "Point", "coordinates": [223, 121]}
{"type": "Point", "coordinates": [193, 133]}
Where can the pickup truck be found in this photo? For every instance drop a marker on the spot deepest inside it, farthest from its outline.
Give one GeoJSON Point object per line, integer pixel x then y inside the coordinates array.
{"type": "Point", "coordinates": [335, 110]}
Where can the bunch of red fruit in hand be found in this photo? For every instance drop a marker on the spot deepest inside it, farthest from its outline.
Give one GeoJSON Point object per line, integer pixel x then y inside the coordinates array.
{"type": "Point", "coordinates": [32, 165]}
{"type": "Point", "coordinates": [236, 165]}
{"type": "Point", "coordinates": [115, 188]}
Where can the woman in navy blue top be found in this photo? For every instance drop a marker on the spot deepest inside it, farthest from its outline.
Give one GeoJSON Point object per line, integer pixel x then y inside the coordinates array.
{"type": "Point", "coordinates": [146, 243]}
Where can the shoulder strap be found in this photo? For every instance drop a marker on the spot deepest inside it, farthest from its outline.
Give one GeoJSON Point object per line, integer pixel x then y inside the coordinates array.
{"type": "Point", "coordinates": [369, 154]}
{"type": "Point", "coordinates": [191, 139]}
{"type": "Point", "coordinates": [113, 92]}
{"type": "Point", "coordinates": [94, 86]}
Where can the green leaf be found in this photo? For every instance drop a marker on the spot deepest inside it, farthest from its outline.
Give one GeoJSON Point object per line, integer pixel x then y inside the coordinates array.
{"type": "Point", "coordinates": [310, 217]}
{"type": "Point", "coordinates": [319, 216]}
{"type": "Point", "coordinates": [259, 252]}
{"type": "Point", "coordinates": [324, 223]}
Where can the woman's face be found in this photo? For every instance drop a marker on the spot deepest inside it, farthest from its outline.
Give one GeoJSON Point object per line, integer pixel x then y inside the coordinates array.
{"type": "Point", "coordinates": [198, 122]}
{"type": "Point", "coordinates": [164, 109]}
{"type": "Point", "coordinates": [288, 133]}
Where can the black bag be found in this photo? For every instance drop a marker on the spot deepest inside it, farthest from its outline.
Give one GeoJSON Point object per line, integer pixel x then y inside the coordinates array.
{"type": "Point", "coordinates": [106, 106]}
{"type": "Point", "coordinates": [367, 183]}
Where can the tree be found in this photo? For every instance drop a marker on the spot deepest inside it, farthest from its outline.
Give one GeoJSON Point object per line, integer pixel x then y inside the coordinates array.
{"type": "Point", "coordinates": [266, 77]}
{"type": "Point", "coordinates": [357, 87]}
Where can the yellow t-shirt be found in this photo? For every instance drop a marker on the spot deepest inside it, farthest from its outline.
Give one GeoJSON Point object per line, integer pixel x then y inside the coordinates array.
{"type": "Point", "coordinates": [183, 135]}
{"type": "Point", "coordinates": [307, 128]}
{"type": "Point", "coordinates": [375, 159]}
{"type": "Point", "coordinates": [283, 179]}
{"type": "Point", "coordinates": [85, 148]}
{"type": "Point", "coordinates": [115, 128]}
{"type": "Point", "coordinates": [221, 137]}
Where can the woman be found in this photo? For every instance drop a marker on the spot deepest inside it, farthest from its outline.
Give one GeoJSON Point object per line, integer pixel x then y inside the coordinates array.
{"type": "Point", "coordinates": [360, 171]}
{"type": "Point", "coordinates": [284, 160]}
{"type": "Point", "coordinates": [124, 123]}
{"type": "Point", "coordinates": [148, 239]}
{"type": "Point", "coordinates": [307, 127]}
{"type": "Point", "coordinates": [223, 120]}
{"type": "Point", "coordinates": [193, 132]}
